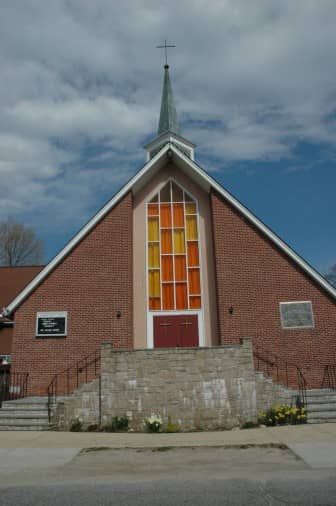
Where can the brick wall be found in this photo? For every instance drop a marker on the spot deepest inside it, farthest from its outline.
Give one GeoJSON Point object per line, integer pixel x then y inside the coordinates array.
{"type": "Point", "coordinates": [253, 276]}
{"type": "Point", "coordinates": [91, 284]}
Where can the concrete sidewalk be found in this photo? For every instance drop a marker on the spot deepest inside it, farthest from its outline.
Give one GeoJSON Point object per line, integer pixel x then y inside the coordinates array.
{"type": "Point", "coordinates": [288, 435]}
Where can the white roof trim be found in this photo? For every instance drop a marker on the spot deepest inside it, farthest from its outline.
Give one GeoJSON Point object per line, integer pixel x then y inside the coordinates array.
{"type": "Point", "coordinates": [128, 187]}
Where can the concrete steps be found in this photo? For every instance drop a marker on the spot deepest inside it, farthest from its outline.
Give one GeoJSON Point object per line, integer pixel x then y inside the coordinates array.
{"type": "Point", "coordinates": [30, 413]}
{"type": "Point", "coordinates": [321, 406]}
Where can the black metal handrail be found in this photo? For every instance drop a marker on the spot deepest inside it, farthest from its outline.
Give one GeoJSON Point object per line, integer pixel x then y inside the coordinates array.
{"type": "Point", "coordinates": [67, 381]}
{"type": "Point", "coordinates": [283, 372]}
{"type": "Point", "coordinates": [302, 387]}
{"type": "Point", "coordinates": [329, 377]}
{"type": "Point", "coordinates": [13, 385]}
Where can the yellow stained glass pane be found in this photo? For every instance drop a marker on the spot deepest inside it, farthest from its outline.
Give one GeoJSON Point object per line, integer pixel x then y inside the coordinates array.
{"type": "Point", "coordinates": [153, 255]}
{"type": "Point", "coordinates": [190, 208]}
{"type": "Point", "coordinates": [154, 283]}
{"type": "Point", "coordinates": [153, 229]}
{"type": "Point", "coordinates": [179, 246]}
{"type": "Point", "coordinates": [191, 228]}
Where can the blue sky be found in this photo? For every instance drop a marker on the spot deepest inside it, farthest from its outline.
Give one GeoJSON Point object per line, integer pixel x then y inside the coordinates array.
{"type": "Point", "coordinates": [255, 88]}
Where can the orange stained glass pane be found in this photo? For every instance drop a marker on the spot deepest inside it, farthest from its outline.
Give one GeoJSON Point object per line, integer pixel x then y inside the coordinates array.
{"type": "Point", "coordinates": [195, 302]}
{"type": "Point", "coordinates": [193, 258]}
{"type": "Point", "coordinates": [178, 215]}
{"type": "Point", "coordinates": [180, 268]}
{"type": "Point", "coordinates": [154, 303]}
{"type": "Point", "coordinates": [153, 229]}
{"type": "Point", "coordinates": [167, 268]}
{"type": "Point", "coordinates": [154, 283]}
{"type": "Point", "coordinates": [153, 209]}
{"type": "Point", "coordinates": [153, 254]}
{"type": "Point", "coordinates": [166, 241]}
{"type": "Point", "coordinates": [165, 215]}
{"type": "Point", "coordinates": [179, 246]}
{"type": "Point", "coordinates": [192, 228]}
{"type": "Point", "coordinates": [190, 208]}
{"type": "Point", "coordinates": [194, 281]}
{"type": "Point", "coordinates": [181, 296]}
{"type": "Point", "coordinates": [168, 296]}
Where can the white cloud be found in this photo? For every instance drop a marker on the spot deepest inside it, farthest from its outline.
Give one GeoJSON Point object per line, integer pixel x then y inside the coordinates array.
{"type": "Point", "coordinates": [81, 85]}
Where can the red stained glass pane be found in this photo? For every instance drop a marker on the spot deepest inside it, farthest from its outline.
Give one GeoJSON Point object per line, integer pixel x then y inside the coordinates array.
{"type": "Point", "coordinates": [194, 281]}
{"type": "Point", "coordinates": [154, 303]}
{"type": "Point", "coordinates": [153, 209]}
{"type": "Point", "coordinates": [181, 296]}
{"type": "Point", "coordinates": [195, 302]}
{"type": "Point", "coordinates": [178, 215]}
{"type": "Point", "coordinates": [193, 259]}
{"type": "Point", "coordinates": [180, 268]}
{"type": "Point", "coordinates": [168, 296]}
{"type": "Point", "coordinates": [167, 268]}
{"type": "Point", "coordinates": [165, 215]}
{"type": "Point", "coordinates": [166, 241]}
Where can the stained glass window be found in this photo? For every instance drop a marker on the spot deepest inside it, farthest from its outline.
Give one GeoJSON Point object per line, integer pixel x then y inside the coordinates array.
{"type": "Point", "coordinates": [173, 250]}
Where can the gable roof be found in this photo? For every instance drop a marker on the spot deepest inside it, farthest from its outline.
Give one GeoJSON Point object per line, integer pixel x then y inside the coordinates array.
{"type": "Point", "coordinates": [135, 184]}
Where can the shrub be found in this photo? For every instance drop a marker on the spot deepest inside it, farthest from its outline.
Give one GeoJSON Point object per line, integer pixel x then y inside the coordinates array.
{"type": "Point", "coordinates": [153, 423]}
{"type": "Point", "coordinates": [117, 423]}
{"type": "Point", "coordinates": [171, 427]}
{"type": "Point", "coordinates": [76, 424]}
{"type": "Point", "coordinates": [282, 414]}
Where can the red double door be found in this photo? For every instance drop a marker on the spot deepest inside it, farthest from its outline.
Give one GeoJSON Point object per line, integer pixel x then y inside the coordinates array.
{"type": "Point", "coordinates": [176, 331]}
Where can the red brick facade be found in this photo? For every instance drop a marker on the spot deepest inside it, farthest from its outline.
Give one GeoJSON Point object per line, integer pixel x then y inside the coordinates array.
{"type": "Point", "coordinates": [96, 280]}
{"type": "Point", "coordinates": [92, 283]}
{"type": "Point", "coordinates": [253, 277]}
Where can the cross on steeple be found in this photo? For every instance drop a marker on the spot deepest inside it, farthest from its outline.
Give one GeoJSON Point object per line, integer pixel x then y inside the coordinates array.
{"type": "Point", "coordinates": [165, 46]}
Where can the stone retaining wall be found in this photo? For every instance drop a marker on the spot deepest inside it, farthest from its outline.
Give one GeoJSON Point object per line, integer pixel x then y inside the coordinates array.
{"type": "Point", "coordinates": [199, 388]}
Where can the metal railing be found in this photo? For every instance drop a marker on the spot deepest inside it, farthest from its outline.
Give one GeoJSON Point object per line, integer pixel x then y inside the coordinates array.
{"type": "Point", "coordinates": [72, 378]}
{"type": "Point", "coordinates": [329, 377]}
{"type": "Point", "coordinates": [13, 385]}
{"type": "Point", "coordinates": [283, 372]}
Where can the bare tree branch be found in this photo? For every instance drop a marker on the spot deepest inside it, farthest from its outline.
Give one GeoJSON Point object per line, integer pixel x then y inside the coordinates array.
{"type": "Point", "coordinates": [19, 245]}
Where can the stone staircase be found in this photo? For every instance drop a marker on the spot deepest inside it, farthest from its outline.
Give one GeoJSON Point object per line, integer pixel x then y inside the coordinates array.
{"type": "Point", "coordinates": [321, 406]}
{"type": "Point", "coordinates": [29, 413]}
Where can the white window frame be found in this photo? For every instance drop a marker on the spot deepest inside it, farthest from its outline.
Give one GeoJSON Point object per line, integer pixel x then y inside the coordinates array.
{"type": "Point", "coordinates": [173, 312]}
{"type": "Point", "coordinates": [297, 326]}
{"type": "Point", "coordinates": [52, 314]}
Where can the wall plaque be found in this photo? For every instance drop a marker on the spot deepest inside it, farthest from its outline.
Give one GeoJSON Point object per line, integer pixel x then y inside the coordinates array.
{"type": "Point", "coordinates": [51, 324]}
{"type": "Point", "coordinates": [296, 314]}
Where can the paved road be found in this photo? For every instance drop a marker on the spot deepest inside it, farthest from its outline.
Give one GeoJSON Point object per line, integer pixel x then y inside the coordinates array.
{"type": "Point", "coordinates": [304, 490]}
{"type": "Point", "coordinates": [164, 476]}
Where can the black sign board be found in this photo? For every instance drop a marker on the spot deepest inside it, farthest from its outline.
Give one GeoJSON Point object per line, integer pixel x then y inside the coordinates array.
{"type": "Point", "coordinates": [51, 325]}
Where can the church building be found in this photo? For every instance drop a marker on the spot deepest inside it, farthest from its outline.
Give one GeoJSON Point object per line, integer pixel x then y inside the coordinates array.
{"type": "Point", "coordinates": [172, 260]}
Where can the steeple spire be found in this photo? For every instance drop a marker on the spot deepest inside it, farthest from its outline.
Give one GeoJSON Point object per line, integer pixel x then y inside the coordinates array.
{"type": "Point", "coordinates": [169, 130]}
{"type": "Point", "coordinates": [168, 116]}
